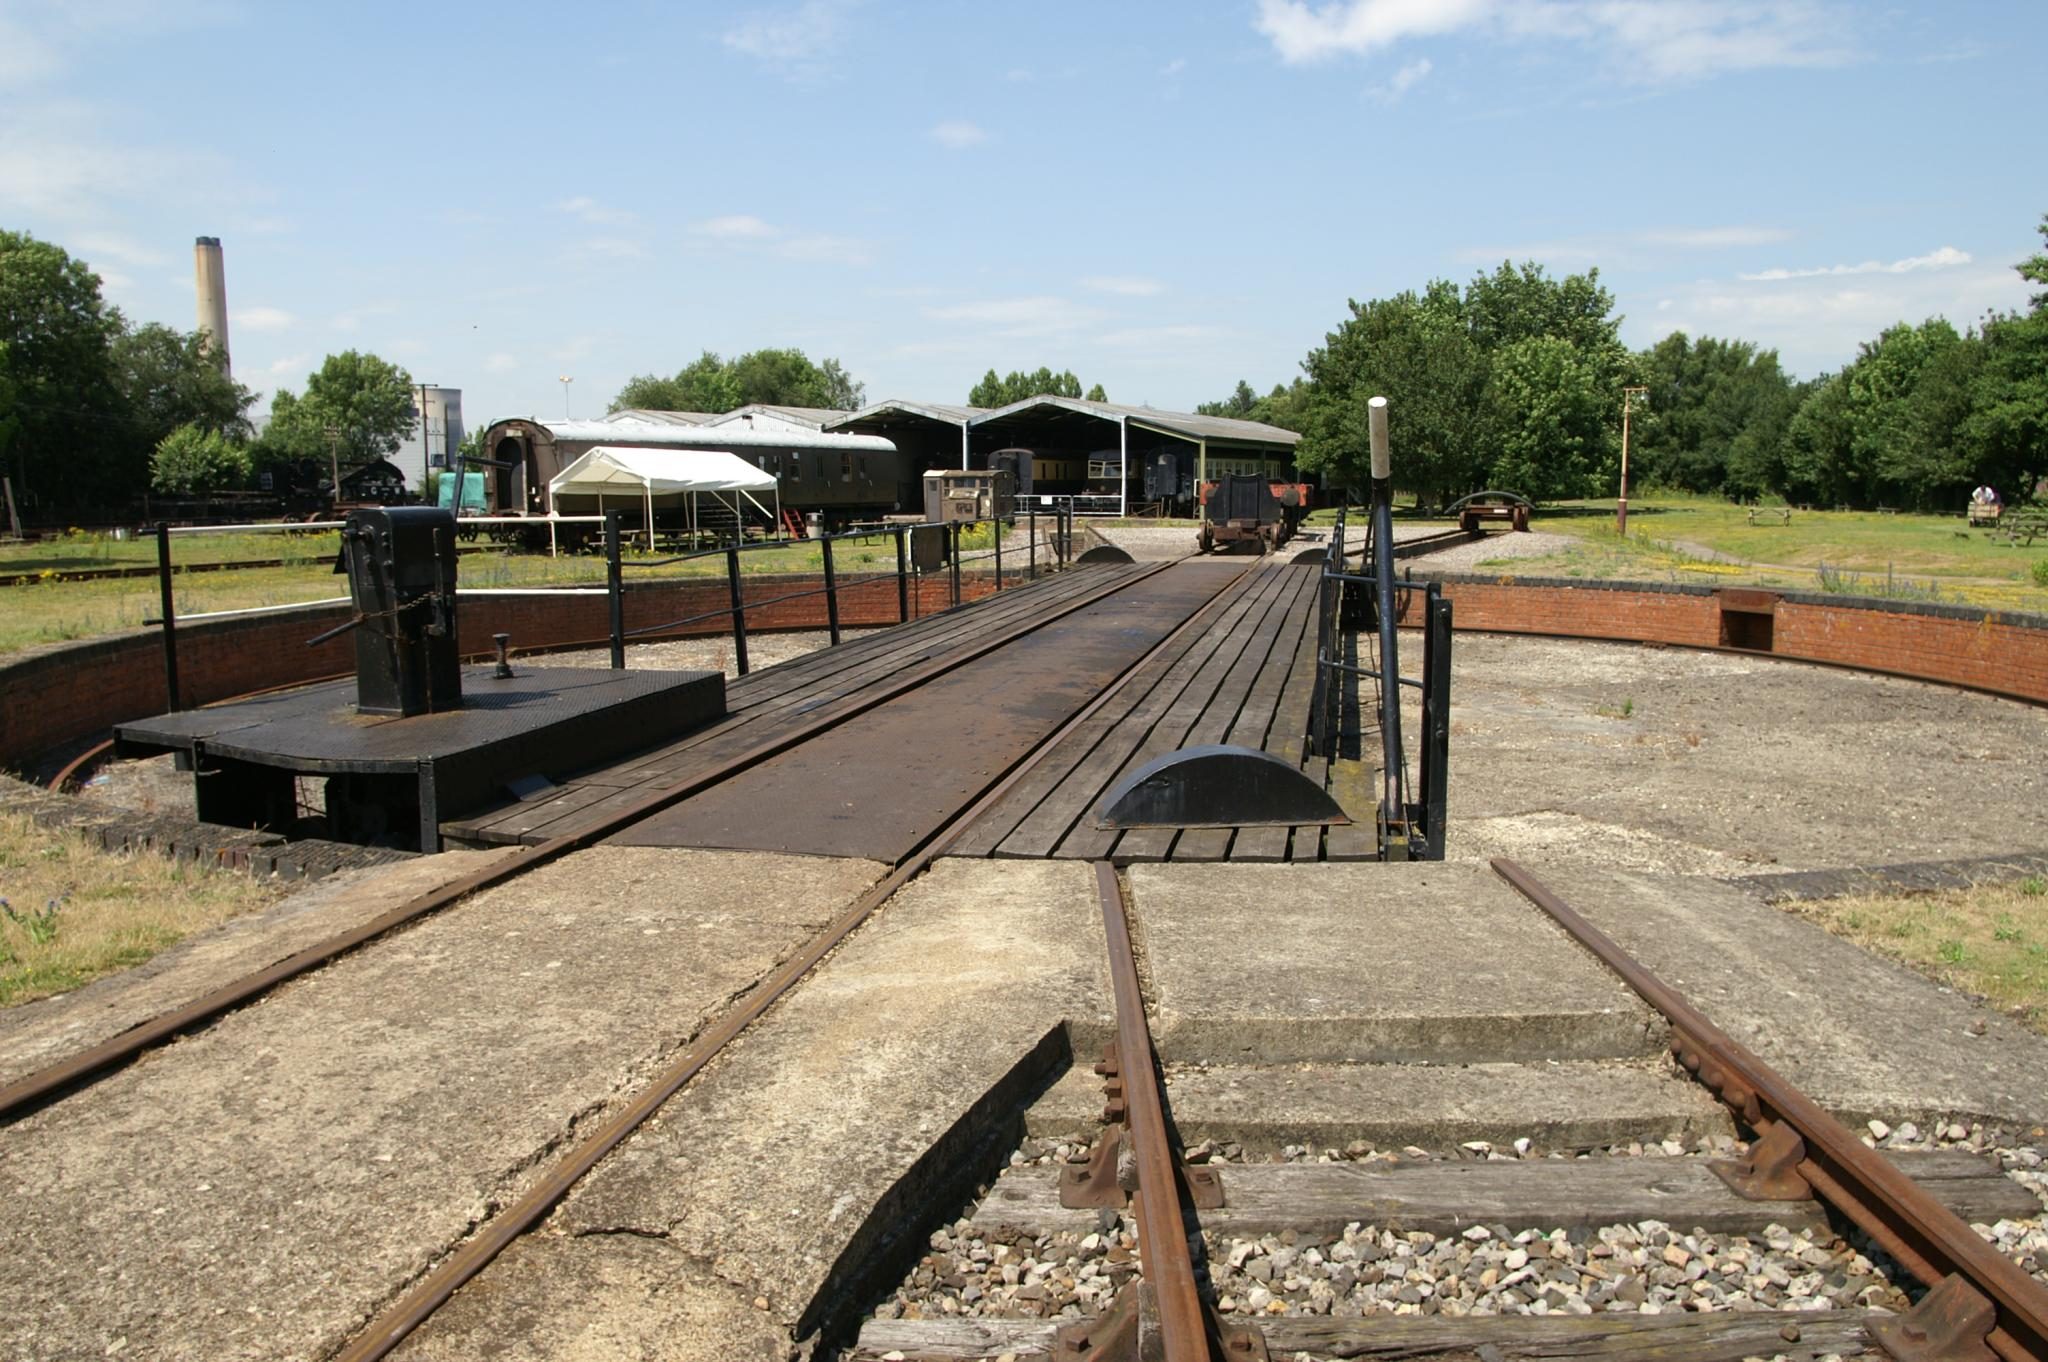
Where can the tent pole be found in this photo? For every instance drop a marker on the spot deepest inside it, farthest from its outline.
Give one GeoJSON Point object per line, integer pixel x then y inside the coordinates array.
{"type": "Point", "coordinates": [551, 536]}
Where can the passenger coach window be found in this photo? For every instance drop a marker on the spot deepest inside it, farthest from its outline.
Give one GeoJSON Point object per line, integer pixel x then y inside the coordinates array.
{"type": "Point", "coordinates": [846, 468]}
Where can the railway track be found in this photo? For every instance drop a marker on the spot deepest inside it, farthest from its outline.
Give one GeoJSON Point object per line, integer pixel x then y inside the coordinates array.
{"type": "Point", "coordinates": [1977, 1303]}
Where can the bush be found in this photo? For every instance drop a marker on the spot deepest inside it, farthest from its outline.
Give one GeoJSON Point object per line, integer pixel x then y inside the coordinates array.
{"type": "Point", "coordinates": [195, 460]}
{"type": "Point", "coordinates": [2041, 572]}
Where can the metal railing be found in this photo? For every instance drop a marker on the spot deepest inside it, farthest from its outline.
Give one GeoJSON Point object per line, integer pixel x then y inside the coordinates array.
{"type": "Point", "coordinates": [907, 572]}
{"type": "Point", "coordinates": [1368, 605]}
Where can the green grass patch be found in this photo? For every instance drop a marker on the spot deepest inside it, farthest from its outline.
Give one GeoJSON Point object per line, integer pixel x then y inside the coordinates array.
{"type": "Point", "coordinates": [1990, 941]}
{"type": "Point", "coordinates": [71, 912]}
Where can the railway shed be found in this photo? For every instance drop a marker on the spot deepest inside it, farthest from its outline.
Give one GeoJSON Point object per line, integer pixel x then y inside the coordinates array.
{"type": "Point", "coordinates": [527, 453]}
{"type": "Point", "coordinates": [934, 434]}
{"type": "Point", "coordinates": [1139, 455]}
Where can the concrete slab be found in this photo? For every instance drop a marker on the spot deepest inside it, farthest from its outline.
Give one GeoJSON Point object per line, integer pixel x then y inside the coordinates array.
{"type": "Point", "coordinates": [1702, 763]}
{"type": "Point", "coordinates": [256, 1190]}
{"type": "Point", "coordinates": [1863, 1036]}
{"type": "Point", "coordinates": [1370, 963]}
{"type": "Point", "coordinates": [1573, 1105]}
{"type": "Point", "coordinates": [856, 1104]}
{"type": "Point", "coordinates": [39, 1034]}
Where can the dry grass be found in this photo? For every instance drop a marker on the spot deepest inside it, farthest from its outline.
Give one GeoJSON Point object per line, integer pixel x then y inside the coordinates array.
{"type": "Point", "coordinates": [110, 911]}
{"type": "Point", "coordinates": [1990, 941]}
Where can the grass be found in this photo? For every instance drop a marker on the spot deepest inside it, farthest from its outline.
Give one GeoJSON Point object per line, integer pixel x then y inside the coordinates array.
{"type": "Point", "coordinates": [1990, 941]}
{"type": "Point", "coordinates": [52, 611]}
{"type": "Point", "coordinates": [74, 912]}
{"type": "Point", "coordinates": [1912, 557]}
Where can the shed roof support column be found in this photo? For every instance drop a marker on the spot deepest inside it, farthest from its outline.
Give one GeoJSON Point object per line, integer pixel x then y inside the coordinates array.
{"type": "Point", "coordinates": [963, 446]}
{"type": "Point", "coordinates": [1123, 466]}
{"type": "Point", "coordinates": [1201, 476]}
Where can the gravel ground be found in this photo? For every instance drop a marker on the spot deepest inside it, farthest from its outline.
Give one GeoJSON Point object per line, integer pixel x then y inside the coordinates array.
{"type": "Point", "coordinates": [699, 654]}
{"type": "Point", "coordinates": [1467, 557]}
{"type": "Point", "coordinates": [1649, 1267]}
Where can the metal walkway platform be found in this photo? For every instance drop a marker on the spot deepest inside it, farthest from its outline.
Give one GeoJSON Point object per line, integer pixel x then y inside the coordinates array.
{"type": "Point", "coordinates": [1248, 679]}
{"type": "Point", "coordinates": [802, 689]}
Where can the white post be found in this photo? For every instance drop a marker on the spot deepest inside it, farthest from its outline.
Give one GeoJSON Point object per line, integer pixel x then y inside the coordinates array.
{"type": "Point", "coordinates": [551, 536]}
{"type": "Point", "coordinates": [1123, 467]}
{"type": "Point", "coordinates": [963, 446]}
{"type": "Point", "coordinates": [649, 487]}
{"type": "Point", "coordinates": [1201, 476]}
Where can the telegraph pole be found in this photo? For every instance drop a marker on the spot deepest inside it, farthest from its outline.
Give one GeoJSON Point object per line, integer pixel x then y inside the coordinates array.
{"type": "Point", "coordinates": [1628, 395]}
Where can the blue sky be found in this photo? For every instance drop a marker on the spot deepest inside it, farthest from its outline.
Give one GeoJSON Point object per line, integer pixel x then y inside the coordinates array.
{"type": "Point", "coordinates": [1162, 197]}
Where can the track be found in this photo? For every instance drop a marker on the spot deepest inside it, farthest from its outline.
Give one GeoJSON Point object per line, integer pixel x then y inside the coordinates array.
{"type": "Point", "coordinates": [759, 745]}
{"type": "Point", "coordinates": [1979, 1304]}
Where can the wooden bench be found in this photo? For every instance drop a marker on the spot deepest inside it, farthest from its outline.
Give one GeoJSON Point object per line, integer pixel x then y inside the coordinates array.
{"type": "Point", "coordinates": [2024, 527]}
{"type": "Point", "coordinates": [1781, 514]}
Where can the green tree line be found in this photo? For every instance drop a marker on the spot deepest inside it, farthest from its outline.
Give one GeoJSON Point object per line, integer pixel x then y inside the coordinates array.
{"type": "Point", "coordinates": [1515, 381]}
{"type": "Point", "coordinates": [782, 378]}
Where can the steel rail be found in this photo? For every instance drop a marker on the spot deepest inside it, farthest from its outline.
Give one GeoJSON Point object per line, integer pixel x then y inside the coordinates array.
{"type": "Point", "coordinates": [398, 1320]}
{"type": "Point", "coordinates": [1928, 1239]}
{"type": "Point", "coordinates": [1162, 1236]}
{"type": "Point", "coordinates": [33, 1089]}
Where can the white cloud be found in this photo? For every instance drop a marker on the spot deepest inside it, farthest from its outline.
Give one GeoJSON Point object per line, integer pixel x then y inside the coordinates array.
{"type": "Point", "coordinates": [1942, 258]}
{"type": "Point", "coordinates": [1403, 80]}
{"type": "Point", "coordinates": [795, 42]}
{"type": "Point", "coordinates": [1646, 41]}
{"type": "Point", "coordinates": [1128, 285]}
{"type": "Point", "coordinates": [595, 213]}
{"type": "Point", "coordinates": [1021, 317]}
{"type": "Point", "coordinates": [1155, 337]}
{"type": "Point", "coordinates": [1816, 319]}
{"type": "Point", "coordinates": [957, 134]}
{"type": "Point", "coordinates": [1174, 67]}
{"type": "Point", "coordinates": [501, 363]}
{"type": "Point", "coordinates": [289, 365]}
{"type": "Point", "coordinates": [611, 248]}
{"type": "Point", "coordinates": [737, 226]}
{"type": "Point", "coordinates": [95, 246]}
{"type": "Point", "coordinates": [1626, 249]}
{"type": "Point", "coordinates": [744, 231]}
{"type": "Point", "coordinates": [261, 319]}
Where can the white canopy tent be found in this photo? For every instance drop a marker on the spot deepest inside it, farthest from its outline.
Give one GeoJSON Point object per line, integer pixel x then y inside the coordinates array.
{"type": "Point", "coordinates": [674, 476]}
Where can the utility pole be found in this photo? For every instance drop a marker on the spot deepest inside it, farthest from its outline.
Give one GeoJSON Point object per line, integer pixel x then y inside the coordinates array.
{"type": "Point", "coordinates": [1628, 396]}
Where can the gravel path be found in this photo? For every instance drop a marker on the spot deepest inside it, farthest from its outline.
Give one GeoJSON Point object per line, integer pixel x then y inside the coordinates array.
{"type": "Point", "coordinates": [1467, 557]}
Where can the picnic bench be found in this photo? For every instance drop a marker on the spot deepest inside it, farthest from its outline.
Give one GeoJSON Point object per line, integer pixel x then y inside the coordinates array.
{"type": "Point", "coordinates": [1765, 515]}
{"type": "Point", "coordinates": [2025, 525]}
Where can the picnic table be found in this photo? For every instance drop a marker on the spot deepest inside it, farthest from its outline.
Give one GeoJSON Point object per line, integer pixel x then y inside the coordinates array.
{"type": "Point", "coordinates": [1764, 515]}
{"type": "Point", "coordinates": [2025, 525]}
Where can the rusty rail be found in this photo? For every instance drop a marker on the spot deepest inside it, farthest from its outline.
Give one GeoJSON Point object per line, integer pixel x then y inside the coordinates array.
{"type": "Point", "coordinates": [1162, 1236]}
{"type": "Point", "coordinates": [1979, 1296]}
{"type": "Point", "coordinates": [392, 1326]}
{"type": "Point", "coordinates": [32, 1090]}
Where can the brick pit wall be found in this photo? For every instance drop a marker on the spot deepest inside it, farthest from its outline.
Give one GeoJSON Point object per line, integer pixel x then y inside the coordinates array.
{"type": "Point", "coordinates": [1993, 650]}
{"type": "Point", "coordinates": [64, 692]}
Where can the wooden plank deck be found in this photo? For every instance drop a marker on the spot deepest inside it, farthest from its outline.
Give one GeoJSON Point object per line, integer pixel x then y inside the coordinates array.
{"type": "Point", "coordinates": [1246, 677]}
{"type": "Point", "coordinates": [801, 689]}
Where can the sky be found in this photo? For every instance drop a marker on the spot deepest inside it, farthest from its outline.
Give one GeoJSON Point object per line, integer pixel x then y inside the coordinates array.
{"type": "Point", "coordinates": [1163, 197]}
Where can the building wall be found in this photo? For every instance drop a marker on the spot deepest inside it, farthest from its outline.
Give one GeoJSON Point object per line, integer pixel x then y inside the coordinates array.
{"type": "Point", "coordinates": [434, 441]}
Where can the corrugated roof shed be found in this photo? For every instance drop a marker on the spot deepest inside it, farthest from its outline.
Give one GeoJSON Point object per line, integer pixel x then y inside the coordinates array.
{"type": "Point", "coordinates": [949, 412]}
{"type": "Point", "coordinates": [1188, 424]}
{"type": "Point", "coordinates": [672, 418]}
{"type": "Point", "coordinates": [667, 435]}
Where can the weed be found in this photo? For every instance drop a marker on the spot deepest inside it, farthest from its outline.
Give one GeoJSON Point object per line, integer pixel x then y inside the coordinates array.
{"type": "Point", "coordinates": [2034, 886]}
{"type": "Point", "coordinates": [1628, 707]}
{"type": "Point", "coordinates": [40, 924]}
{"type": "Point", "coordinates": [1951, 952]}
{"type": "Point", "coordinates": [2039, 572]}
{"type": "Point", "coordinates": [2005, 929]}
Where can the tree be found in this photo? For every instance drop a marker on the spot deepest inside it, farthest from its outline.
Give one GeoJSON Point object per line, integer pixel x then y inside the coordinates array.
{"type": "Point", "coordinates": [192, 459]}
{"type": "Point", "coordinates": [2007, 426]}
{"type": "Point", "coordinates": [1553, 419]}
{"type": "Point", "coordinates": [1704, 397]}
{"type": "Point", "coordinates": [60, 399]}
{"type": "Point", "coordinates": [170, 378]}
{"type": "Point", "coordinates": [782, 378]}
{"type": "Point", "coordinates": [366, 401]}
{"type": "Point", "coordinates": [1283, 407]}
{"type": "Point", "coordinates": [1017, 385]}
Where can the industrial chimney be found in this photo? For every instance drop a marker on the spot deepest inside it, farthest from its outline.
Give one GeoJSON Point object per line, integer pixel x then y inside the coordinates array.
{"type": "Point", "coordinates": [210, 277]}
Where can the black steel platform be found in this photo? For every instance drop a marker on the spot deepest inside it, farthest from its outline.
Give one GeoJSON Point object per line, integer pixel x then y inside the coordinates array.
{"type": "Point", "coordinates": [543, 721]}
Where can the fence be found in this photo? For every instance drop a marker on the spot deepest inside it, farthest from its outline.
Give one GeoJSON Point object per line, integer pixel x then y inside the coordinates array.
{"type": "Point", "coordinates": [907, 575]}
